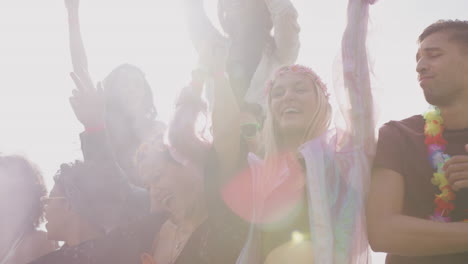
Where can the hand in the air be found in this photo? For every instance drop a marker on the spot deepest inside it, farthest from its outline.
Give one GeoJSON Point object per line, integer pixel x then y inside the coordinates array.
{"type": "Point", "coordinates": [72, 4]}
{"type": "Point", "coordinates": [88, 103]}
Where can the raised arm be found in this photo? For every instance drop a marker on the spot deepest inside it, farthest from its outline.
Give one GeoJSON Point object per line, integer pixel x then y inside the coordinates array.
{"type": "Point", "coordinates": [77, 49]}
{"type": "Point", "coordinates": [212, 48]}
{"type": "Point", "coordinates": [128, 201]}
{"type": "Point", "coordinates": [286, 30]}
{"type": "Point", "coordinates": [226, 125]}
{"type": "Point", "coordinates": [202, 33]}
{"type": "Point", "coordinates": [352, 80]}
{"type": "Point", "coordinates": [89, 108]}
{"type": "Point", "coordinates": [185, 133]}
{"type": "Point", "coordinates": [226, 112]}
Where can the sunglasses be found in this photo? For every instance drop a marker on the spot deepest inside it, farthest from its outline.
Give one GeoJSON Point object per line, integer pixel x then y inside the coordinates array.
{"type": "Point", "coordinates": [249, 130]}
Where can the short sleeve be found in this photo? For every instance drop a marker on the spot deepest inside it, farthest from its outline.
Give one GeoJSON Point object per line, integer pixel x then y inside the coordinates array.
{"type": "Point", "coordinates": [389, 153]}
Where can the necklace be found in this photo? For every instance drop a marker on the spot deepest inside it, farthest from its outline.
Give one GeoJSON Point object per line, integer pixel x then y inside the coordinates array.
{"type": "Point", "coordinates": [436, 145]}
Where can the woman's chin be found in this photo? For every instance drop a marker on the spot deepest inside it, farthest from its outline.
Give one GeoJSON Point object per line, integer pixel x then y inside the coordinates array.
{"type": "Point", "coordinates": [293, 128]}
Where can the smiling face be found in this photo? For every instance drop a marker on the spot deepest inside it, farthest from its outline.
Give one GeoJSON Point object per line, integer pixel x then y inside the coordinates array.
{"type": "Point", "coordinates": [442, 68]}
{"type": "Point", "coordinates": [173, 187]}
{"type": "Point", "coordinates": [293, 103]}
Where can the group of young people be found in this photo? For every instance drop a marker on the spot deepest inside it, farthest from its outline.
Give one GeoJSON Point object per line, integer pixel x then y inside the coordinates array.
{"type": "Point", "coordinates": [255, 166]}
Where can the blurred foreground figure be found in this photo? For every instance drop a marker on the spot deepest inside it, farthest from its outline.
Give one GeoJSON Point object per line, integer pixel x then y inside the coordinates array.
{"type": "Point", "coordinates": [78, 212]}
{"type": "Point", "coordinates": [419, 196]}
{"type": "Point", "coordinates": [21, 189]}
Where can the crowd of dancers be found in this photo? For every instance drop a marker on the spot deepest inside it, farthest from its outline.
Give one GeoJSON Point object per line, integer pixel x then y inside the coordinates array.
{"type": "Point", "coordinates": [255, 165]}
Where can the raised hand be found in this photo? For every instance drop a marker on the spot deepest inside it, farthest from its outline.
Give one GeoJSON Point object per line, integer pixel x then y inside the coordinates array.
{"type": "Point", "coordinates": [72, 4]}
{"type": "Point", "coordinates": [87, 103]}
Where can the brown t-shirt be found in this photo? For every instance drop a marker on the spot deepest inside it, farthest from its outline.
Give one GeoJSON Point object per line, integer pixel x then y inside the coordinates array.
{"type": "Point", "coordinates": [401, 148]}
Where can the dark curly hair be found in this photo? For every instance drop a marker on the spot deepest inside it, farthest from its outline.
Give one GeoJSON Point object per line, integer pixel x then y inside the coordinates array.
{"type": "Point", "coordinates": [457, 28]}
{"type": "Point", "coordinates": [32, 185]}
{"type": "Point", "coordinates": [91, 192]}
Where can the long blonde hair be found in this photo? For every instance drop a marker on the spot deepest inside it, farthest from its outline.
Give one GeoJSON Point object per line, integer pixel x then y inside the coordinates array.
{"type": "Point", "coordinates": [318, 123]}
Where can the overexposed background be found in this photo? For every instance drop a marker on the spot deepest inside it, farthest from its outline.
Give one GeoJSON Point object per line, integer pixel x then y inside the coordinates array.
{"type": "Point", "coordinates": [35, 117]}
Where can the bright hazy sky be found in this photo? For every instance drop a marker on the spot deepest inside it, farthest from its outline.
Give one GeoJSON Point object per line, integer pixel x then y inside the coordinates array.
{"type": "Point", "coordinates": [36, 119]}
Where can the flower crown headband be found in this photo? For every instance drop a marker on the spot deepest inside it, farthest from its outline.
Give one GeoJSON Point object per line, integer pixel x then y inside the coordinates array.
{"type": "Point", "coordinates": [298, 69]}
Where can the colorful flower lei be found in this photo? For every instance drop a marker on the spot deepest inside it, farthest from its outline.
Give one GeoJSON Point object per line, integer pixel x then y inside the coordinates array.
{"type": "Point", "coordinates": [436, 144]}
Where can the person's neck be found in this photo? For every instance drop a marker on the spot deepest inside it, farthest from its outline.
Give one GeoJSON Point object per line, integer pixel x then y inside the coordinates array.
{"type": "Point", "coordinates": [292, 142]}
{"type": "Point", "coordinates": [82, 233]}
{"type": "Point", "coordinates": [455, 115]}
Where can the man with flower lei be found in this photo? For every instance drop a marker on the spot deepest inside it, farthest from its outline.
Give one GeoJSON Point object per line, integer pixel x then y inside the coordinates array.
{"type": "Point", "coordinates": [418, 203]}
